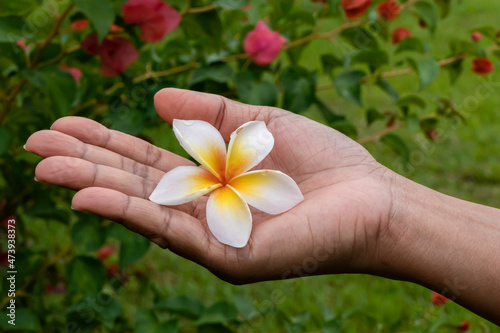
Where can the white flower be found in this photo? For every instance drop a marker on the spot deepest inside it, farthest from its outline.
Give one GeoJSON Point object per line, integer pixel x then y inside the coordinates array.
{"type": "Point", "coordinates": [226, 176]}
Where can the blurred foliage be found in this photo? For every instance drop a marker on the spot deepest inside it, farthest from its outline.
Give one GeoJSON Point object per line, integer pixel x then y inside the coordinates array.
{"type": "Point", "coordinates": [66, 283]}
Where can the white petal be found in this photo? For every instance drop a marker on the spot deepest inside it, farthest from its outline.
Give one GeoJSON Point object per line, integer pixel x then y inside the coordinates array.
{"type": "Point", "coordinates": [228, 217]}
{"type": "Point", "coordinates": [183, 184]}
{"type": "Point", "coordinates": [270, 191]}
{"type": "Point", "coordinates": [203, 142]}
{"type": "Point", "coordinates": [248, 146]}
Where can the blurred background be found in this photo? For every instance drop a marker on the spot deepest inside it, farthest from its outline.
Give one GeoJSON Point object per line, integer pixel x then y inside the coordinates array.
{"type": "Point", "coordinates": [418, 105]}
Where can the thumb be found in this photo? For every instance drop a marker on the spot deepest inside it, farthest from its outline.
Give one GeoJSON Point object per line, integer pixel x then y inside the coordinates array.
{"type": "Point", "coordinates": [224, 114]}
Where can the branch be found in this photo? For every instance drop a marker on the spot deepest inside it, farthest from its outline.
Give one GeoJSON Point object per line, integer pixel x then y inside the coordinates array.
{"type": "Point", "coordinates": [198, 10]}
{"type": "Point", "coordinates": [383, 132]}
{"type": "Point", "coordinates": [55, 29]}
{"type": "Point", "coordinates": [52, 33]}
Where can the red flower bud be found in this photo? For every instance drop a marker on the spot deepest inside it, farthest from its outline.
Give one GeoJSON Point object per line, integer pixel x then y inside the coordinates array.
{"type": "Point", "coordinates": [355, 8]}
{"type": "Point", "coordinates": [5, 221]}
{"type": "Point", "coordinates": [79, 25]}
{"type": "Point", "coordinates": [116, 54]}
{"type": "Point", "coordinates": [4, 259]}
{"type": "Point", "coordinates": [104, 252]}
{"type": "Point", "coordinates": [262, 44]}
{"type": "Point", "coordinates": [156, 18]}
{"type": "Point", "coordinates": [74, 71]}
{"type": "Point", "coordinates": [438, 299]}
{"type": "Point", "coordinates": [58, 288]}
{"type": "Point", "coordinates": [22, 44]}
{"type": "Point", "coordinates": [476, 36]}
{"type": "Point", "coordinates": [388, 10]}
{"type": "Point", "coordinates": [482, 66]}
{"type": "Point", "coordinates": [432, 134]}
{"type": "Point", "coordinates": [399, 34]}
{"type": "Point", "coordinates": [422, 24]}
{"type": "Point", "coordinates": [464, 326]}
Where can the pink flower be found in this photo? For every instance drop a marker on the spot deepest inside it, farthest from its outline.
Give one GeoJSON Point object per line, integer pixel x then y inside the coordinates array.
{"type": "Point", "coordinates": [116, 54]}
{"type": "Point", "coordinates": [156, 18]}
{"type": "Point", "coordinates": [399, 34]}
{"type": "Point", "coordinates": [79, 25]}
{"type": "Point", "coordinates": [262, 44]}
{"type": "Point", "coordinates": [354, 9]}
{"type": "Point", "coordinates": [74, 71]}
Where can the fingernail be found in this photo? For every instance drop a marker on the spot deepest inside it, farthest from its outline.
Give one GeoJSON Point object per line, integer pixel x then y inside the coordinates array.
{"type": "Point", "coordinates": [75, 208]}
{"type": "Point", "coordinates": [36, 179]}
{"type": "Point", "coordinates": [24, 147]}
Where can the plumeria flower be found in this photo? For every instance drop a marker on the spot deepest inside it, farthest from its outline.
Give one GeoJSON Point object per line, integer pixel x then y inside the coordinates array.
{"type": "Point", "coordinates": [226, 175]}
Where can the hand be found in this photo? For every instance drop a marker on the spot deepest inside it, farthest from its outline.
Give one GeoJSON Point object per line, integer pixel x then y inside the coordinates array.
{"type": "Point", "coordinates": [337, 228]}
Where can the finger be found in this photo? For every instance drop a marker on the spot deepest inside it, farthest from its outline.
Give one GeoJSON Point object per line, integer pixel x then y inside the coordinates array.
{"type": "Point", "coordinates": [226, 115]}
{"type": "Point", "coordinates": [54, 143]}
{"type": "Point", "coordinates": [91, 132]}
{"type": "Point", "coordinates": [167, 227]}
{"type": "Point", "coordinates": [76, 174]}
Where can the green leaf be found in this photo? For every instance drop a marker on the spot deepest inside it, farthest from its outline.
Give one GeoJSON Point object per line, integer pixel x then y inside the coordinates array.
{"type": "Point", "coordinates": [360, 38]}
{"type": "Point", "coordinates": [111, 311]}
{"type": "Point", "coordinates": [146, 321]}
{"type": "Point", "coordinates": [85, 275]}
{"type": "Point", "coordinates": [330, 62]}
{"type": "Point", "coordinates": [374, 58]}
{"type": "Point", "coordinates": [411, 100]}
{"type": "Point", "coordinates": [454, 69]}
{"type": "Point", "coordinates": [25, 320]}
{"type": "Point", "coordinates": [253, 92]}
{"type": "Point", "coordinates": [444, 5]}
{"type": "Point", "coordinates": [348, 85]}
{"type": "Point", "coordinates": [299, 88]}
{"type": "Point", "coordinates": [373, 115]}
{"type": "Point", "coordinates": [427, 70]}
{"type": "Point", "coordinates": [428, 12]}
{"type": "Point", "coordinates": [218, 72]}
{"type": "Point", "coordinates": [332, 326]}
{"type": "Point", "coordinates": [487, 31]}
{"type": "Point", "coordinates": [388, 88]}
{"type": "Point", "coordinates": [247, 310]}
{"type": "Point", "coordinates": [219, 313]}
{"type": "Point", "coordinates": [231, 4]}
{"type": "Point", "coordinates": [334, 7]}
{"type": "Point", "coordinates": [329, 115]}
{"type": "Point", "coordinates": [413, 122]}
{"type": "Point", "coordinates": [17, 8]}
{"type": "Point", "coordinates": [346, 127]}
{"type": "Point", "coordinates": [5, 137]}
{"type": "Point", "coordinates": [461, 47]}
{"type": "Point", "coordinates": [395, 143]}
{"type": "Point", "coordinates": [59, 85]}
{"type": "Point", "coordinates": [183, 305]}
{"type": "Point", "coordinates": [428, 124]}
{"type": "Point", "coordinates": [100, 12]}
{"type": "Point", "coordinates": [410, 44]}
{"type": "Point", "coordinates": [48, 212]}
{"type": "Point", "coordinates": [88, 236]}
{"type": "Point", "coordinates": [133, 246]}
{"type": "Point", "coordinates": [11, 29]}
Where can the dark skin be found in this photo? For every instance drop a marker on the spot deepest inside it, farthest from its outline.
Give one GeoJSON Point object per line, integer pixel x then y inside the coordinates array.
{"type": "Point", "coordinates": [357, 216]}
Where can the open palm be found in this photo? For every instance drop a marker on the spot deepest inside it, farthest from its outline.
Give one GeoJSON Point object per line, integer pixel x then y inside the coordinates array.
{"type": "Point", "coordinates": [335, 229]}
